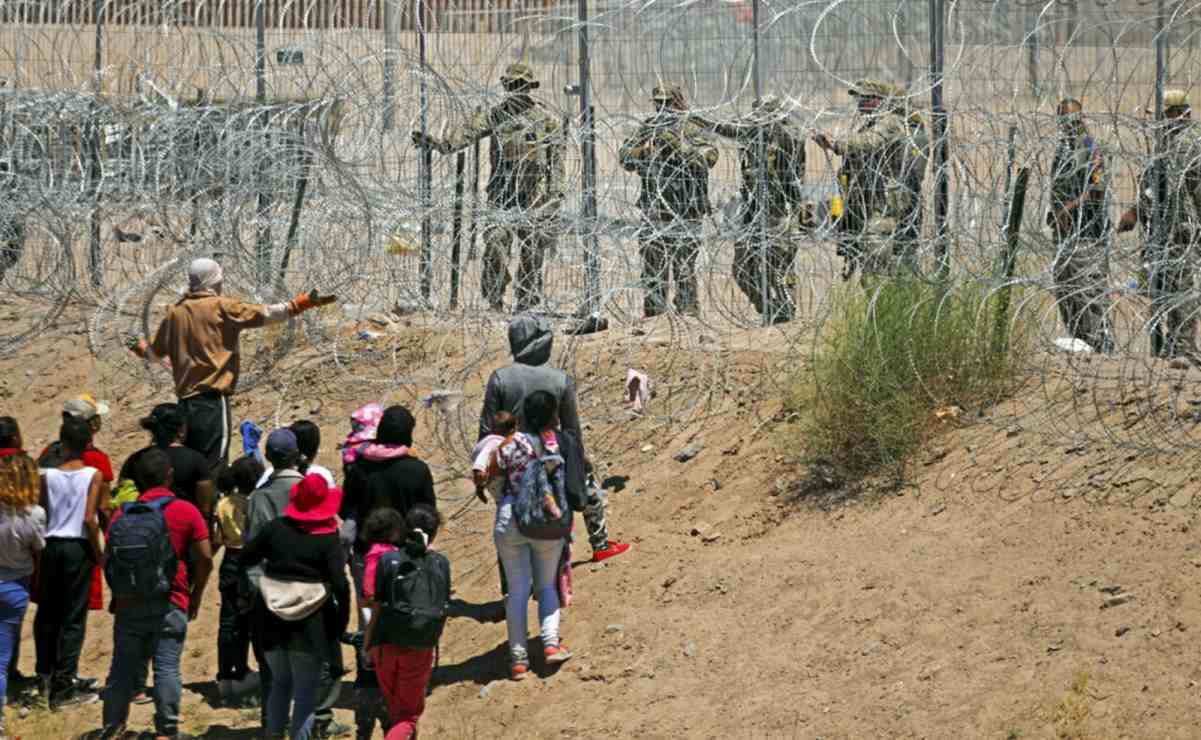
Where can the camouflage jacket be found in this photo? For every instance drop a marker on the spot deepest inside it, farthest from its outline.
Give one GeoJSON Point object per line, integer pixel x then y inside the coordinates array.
{"type": "Point", "coordinates": [771, 156]}
{"type": "Point", "coordinates": [1079, 174]}
{"type": "Point", "coordinates": [672, 157]}
{"type": "Point", "coordinates": [1182, 206]}
{"type": "Point", "coordinates": [916, 156]}
{"type": "Point", "coordinates": [526, 152]}
{"type": "Point", "coordinates": [872, 162]}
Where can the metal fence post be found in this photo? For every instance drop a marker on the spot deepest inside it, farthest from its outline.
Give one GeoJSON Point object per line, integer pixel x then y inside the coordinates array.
{"type": "Point", "coordinates": [424, 164]}
{"type": "Point", "coordinates": [1032, 43]}
{"type": "Point", "coordinates": [95, 251]}
{"type": "Point", "coordinates": [761, 195]}
{"type": "Point", "coordinates": [262, 245]}
{"type": "Point", "coordinates": [939, 120]}
{"type": "Point", "coordinates": [391, 56]}
{"type": "Point", "coordinates": [1160, 221]}
{"type": "Point", "coordinates": [592, 288]}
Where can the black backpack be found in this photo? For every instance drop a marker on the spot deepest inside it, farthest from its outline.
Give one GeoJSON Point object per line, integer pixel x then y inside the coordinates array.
{"type": "Point", "coordinates": [413, 591]}
{"type": "Point", "coordinates": [141, 562]}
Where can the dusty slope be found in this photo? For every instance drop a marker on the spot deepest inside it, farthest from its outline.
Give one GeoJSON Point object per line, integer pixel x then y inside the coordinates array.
{"type": "Point", "coordinates": [966, 606]}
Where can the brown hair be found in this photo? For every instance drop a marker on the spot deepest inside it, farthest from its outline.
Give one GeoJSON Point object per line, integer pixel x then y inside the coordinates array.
{"type": "Point", "coordinates": [504, 423]}
{"type": "Point", "coordinates": [20, 484]}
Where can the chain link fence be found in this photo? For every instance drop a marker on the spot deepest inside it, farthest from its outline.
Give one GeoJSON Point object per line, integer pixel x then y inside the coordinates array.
{"type": "Point", "coordinates": [135, 135]}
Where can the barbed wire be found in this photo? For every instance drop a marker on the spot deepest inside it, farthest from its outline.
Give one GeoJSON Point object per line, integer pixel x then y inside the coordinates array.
{"type": "Point", "coordinates": [136, 136]}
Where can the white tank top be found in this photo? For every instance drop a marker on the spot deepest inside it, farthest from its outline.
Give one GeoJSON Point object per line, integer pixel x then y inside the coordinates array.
{"type": "Point", "coordinates": [67, 494]}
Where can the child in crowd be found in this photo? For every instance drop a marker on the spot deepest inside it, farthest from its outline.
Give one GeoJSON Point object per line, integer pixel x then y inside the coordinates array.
{"type": "Point", "coordinates": [383, 530]}
{"type": "Point", "coordinates": [402, 643]}
{"type": "Point", "coordinates": [236, 482]}
{"type": "Point", "coordinates": [363, 424]}
{"type": "Point", "coordinates": [504, 425]}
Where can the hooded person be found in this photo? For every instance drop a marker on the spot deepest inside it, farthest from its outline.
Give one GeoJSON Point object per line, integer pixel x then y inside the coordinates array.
{"type": "Point", "coordinates": [198, 339]}
{"type": "Point", "coordinates": [531, 339]}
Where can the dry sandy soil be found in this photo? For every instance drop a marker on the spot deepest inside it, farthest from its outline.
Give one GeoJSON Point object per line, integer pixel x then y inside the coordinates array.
{"type": "Point", "coordinates": [968, 603]}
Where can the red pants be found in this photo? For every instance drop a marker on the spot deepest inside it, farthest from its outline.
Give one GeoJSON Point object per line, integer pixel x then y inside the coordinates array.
{"type": "Point", "coordinates": [404, 674]}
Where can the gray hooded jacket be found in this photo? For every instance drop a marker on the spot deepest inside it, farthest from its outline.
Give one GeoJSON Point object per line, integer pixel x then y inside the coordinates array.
{"type": "Point", "coordinates": [530, 340]}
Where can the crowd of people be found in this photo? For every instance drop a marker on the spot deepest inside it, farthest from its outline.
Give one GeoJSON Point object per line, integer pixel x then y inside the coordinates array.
{"type": "Point", "coordinates": [305, 566]}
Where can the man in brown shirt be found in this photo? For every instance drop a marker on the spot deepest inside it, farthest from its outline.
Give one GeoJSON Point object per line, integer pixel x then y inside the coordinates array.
{"type": "Point", "coordinates": [199, 340]}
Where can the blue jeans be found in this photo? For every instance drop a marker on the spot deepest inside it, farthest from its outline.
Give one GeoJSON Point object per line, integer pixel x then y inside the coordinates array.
{"type": "Point", "coordinates": [295, 684]}
{"type": "Point", "coordinates": [530, 565]}
{"type": "Point", "coordinates": [14, 600]}
{"type": "Point", "coordinates": [142, 635]}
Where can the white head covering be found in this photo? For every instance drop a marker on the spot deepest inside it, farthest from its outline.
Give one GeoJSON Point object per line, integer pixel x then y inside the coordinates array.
{"type": "Point", "coordinates": [204, 274]}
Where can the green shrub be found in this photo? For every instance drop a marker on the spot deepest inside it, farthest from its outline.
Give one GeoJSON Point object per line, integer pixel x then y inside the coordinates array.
{"type": "Point", "coordinates": [889, 358]}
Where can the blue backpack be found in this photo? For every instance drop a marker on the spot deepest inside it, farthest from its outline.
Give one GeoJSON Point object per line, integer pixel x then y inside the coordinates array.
{"type": "Point", "coordinates": [141, 562]}
{"type": "Point", "coordinates": [532, 518]}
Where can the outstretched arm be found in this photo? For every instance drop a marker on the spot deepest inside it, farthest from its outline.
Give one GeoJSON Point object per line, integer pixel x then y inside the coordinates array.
{"type": "Point", "coordinates": [636, 149]}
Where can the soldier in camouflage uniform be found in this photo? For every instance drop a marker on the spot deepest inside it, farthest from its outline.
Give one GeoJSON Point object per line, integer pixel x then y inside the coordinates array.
{"type": "Point", "coordinates": [672, 158]}
{"type": "Point", "coordinates": [525, 187]}
{"type": "Point", "coordinates": [12, 228]}
{"type": "Point", "coordinates": [1173, 272]}
{"type": "Point", "coordinates": [875, 200]}
{"type": "Point", "coordinates": [1078, 215]}
{"type": "Point", "coordinates": [913, 173]}
{"type": "Point", "coordinates": [772, 159]}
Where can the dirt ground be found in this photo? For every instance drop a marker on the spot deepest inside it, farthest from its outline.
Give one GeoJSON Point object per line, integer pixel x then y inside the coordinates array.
{"type": "Point", "coordinates": [969, 603]}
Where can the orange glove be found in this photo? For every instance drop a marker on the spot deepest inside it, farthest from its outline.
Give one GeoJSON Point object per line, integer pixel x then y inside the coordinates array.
{"type": "Point", "coordinates": [137, 345]}
{"type": "Point", "coordinates": [312, 299]}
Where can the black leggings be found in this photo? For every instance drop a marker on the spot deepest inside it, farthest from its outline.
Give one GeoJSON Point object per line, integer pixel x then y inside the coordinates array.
{"type": "Point", "coordinates": [65, 582]}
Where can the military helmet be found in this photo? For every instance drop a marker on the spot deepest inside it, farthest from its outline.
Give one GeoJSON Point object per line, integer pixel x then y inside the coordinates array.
{"type": "Point", "coordinates": [666, 91]}
{"type": "Point", "coordinates": [868, 88]}
{"type": "Point", "coordinates": [1171, 99]}
{"type": "Point", "coordinates": [519, 72]}
{"type": "Point", "coordinates": [1175, 99]}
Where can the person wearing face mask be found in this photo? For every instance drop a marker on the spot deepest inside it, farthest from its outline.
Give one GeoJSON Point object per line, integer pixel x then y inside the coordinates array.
{"type": "Point", "coordinates": [875, 199]}
{"type": "Point", "coordinates": [198, 339]}
{"type": "Point", "coordinates": [1079, 218]}
{"type": "Point", "coordinates": [672, 157]}
{"type": "Point", "coordinates": [525, 188]}
{"type": "Point", "coordinates": [771, 152]}
{"type": "Point", "coordinates": [1170, 269]}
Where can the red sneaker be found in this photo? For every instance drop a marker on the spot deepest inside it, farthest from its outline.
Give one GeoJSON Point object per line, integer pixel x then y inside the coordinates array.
{"type": "Point", "coordinates": [519, 668]}
{"type": "Point", "coordinates": [612, 550]}
{"type": "Point", "coordinates": [557, 654]}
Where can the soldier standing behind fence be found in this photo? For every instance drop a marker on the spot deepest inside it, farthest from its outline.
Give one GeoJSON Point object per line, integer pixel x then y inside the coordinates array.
{"type": "Point", "coordinates": [913, 173]}
{"type": "Point", "coordinates": [771, 152]}
{"type": "Point", "coordinates": [1078, 214]}
{"type": "Point", "coordinates": [12, 228]}
{"type": "Point", "coordinates": [525, 187]}
{"type": "Point", "coordinates": [875, 200]}
{"type": "Point", "coordinates": [1172, 268]}
{"type": "Point", "coordinates": [672, 158]}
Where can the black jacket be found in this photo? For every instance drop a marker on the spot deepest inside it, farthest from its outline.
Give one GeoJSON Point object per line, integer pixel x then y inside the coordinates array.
{"type": "Point", "coordinates": [373, 484]}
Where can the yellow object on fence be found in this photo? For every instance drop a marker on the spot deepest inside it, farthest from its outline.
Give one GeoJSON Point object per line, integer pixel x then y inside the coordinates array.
{"type": "Point", "coordinates": [401, 245]}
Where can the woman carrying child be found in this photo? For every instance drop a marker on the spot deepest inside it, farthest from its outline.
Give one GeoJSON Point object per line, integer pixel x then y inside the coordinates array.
{"type": "Point", "coordinates": [529, 562]}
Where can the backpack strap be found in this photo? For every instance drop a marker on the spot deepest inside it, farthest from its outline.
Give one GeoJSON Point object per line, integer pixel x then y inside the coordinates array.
{"type": "Point", "coordinates": [156, 505]}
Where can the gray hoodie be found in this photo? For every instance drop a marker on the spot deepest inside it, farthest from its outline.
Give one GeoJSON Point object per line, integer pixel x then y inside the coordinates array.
{"type": "Point", "coordinates": [530, 341]}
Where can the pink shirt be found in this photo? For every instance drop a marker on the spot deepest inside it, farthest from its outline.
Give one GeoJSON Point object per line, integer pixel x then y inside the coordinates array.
{"type": "Point", "coordinates": [377, 551]}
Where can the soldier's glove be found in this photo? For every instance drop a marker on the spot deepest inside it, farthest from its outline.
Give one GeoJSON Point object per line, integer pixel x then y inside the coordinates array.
{"type": "Point", "coordinates": [518, 104]}
{"type": "Point", "coordinates": [312, 299]}
{"type": "Point", "coordinates": [806, 215]}
{"type": "Point", "coordinates": [425, 141]}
